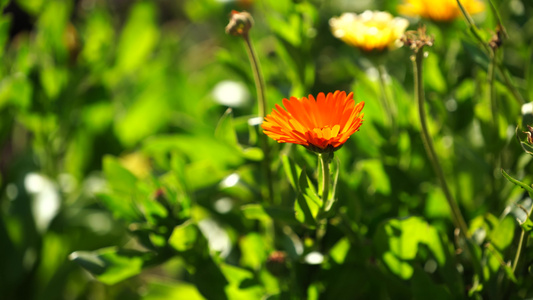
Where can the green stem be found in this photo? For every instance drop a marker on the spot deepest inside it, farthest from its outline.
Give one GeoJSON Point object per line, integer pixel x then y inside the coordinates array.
{"type": "Point", "coordinates": [510, 86]}
{"type": "Point", "coordinates": [258, 77]}
{"type": "Point", "coordinates": [506, 79]}
{"type": "Point", "coordinates": [521, 241]}
{"type": "Point", "coordinates": [324, 160]}
{"type": "Point", "coordinates": [430, 150]}
{"type": "Point", "coordinates": [519, 250]}
{"type": "Point", "coordinates": [260, 87]}
{"type": "Point", "coordinates": [472, 26]}
{"type": "Point", "coordinates": [492, 90]}
{"type": "Point", "coordinates": [385, 101]}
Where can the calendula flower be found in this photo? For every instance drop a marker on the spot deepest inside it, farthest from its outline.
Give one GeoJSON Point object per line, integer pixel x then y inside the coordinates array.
{"type": "Point", "coordinates": [371, 30]}
{"type": "Point", "coordinates": [321, 125]}
{"type": "Point", "coordinates": [439, 10]}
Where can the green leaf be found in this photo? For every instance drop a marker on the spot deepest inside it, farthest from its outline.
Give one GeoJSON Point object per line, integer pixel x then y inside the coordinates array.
{"type": "Point", "coordinates": [308, 203]}
{"type": "Point", "coordinates": [110, 265]}
{"type": "Point", "coordinates": [138, 38]}
{"type": "Point", "coordinates": [496, 259]}
{"type": "Point", "coordinates": [423, 286]}
{"type": "Point", "coordinates": [123, 186]}
{"type": "Point", "coordinates": [340, 250]}
{"type": "Point", "coordinates": [398, 242]}
{"type": "Point", "coordinates": [519, 183]}
{"type": "Point", "coordinates": [225, 130]}
{"type": "Point", "coordinates": [291, 170]}
{"type": "Point", "coordinates": [255, 212]}
{"type": "Point", "coordinates": [379, 179]}
{"type": "Point", "coordinates": [184, 236]}
{"type": "Point", "coordinates": [118, 177]}
{"type": "Point", "coordinates": [253, 249]}
{"type": "Point", "coordinates": [162, 290]}
{"type": "Point", "coordinates": [502, 236]}
{"type": "Point", "coordinates": [253, 153]}
{"type": "Point", "coordinates": [241, 283]}
{"type": "Point", "coordinates": [527, 225]}
{"type": "Point", "coordinates": [433, 76]}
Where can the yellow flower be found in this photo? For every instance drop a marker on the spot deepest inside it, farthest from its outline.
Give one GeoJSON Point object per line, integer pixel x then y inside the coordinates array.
{"type": "Point", "coordinates": [439, 10]}
{"type": "Point", "coordinates": [371, 30]}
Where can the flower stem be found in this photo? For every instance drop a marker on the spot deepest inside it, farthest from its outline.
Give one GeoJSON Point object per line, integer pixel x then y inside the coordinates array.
{"type": "Point", "coordinates": [260, 87]}
{"type": "Point", "coordinates": [475, 32]}
{"type": "Point", "coordinates": [521, 241]}
{"type": "Point", "coordinates": [492, 90]}
{"type": "Point", "coordinates": [324, 160]}
{"type": "Point", "coordinates": [258, 77]}
{"type": "Point", "coordinates": [519, 250]}
{"type": "Point", "coordinates": [385, 97]}
{"type": "Point", "coordinates": [430, 150]}
{"type": "Point", "coordinates": [510, 86]}
{"type": "Point", "coordinates": [472, 26]}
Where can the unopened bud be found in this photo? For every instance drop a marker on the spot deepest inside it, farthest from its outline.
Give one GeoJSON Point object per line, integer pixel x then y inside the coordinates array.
{"type": "Point", "coordinates": [239, 23]}
{"type": "Point", "coordinates": [276, 263]}
{"type": "Point", "coordinates": [529, 134]}
{"type": "Point", "coordinates": [416, 40]}
{"type": "Point", "coordinates": [497, 38]}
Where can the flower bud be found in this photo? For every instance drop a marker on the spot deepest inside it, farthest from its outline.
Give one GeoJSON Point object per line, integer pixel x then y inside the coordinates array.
{"type": "Point", "coordinates": [239, 23]}
{"type": "Point", "coordinates": [416, 40]}
{"type": "Point", "coordinates": [529, 134]}
{"type": "Point", "coordinates": [276, 263]}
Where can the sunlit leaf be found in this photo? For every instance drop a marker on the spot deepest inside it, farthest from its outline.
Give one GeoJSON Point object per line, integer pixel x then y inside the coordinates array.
{"type": "Point", "coordinates": [253, 247]}
{"type": "Point", "coordinates": [138, 38]}
{"type": "Point", "coordinates": [399, 241]}
{"type": "Point", "coordinates": [502, 236]}
{"type": "Point", "coordinates": [183, 236]}
{"type": "Point", "coordinates": [109, 265]}
{"type": "Point", "coordinates": [158, 289]}
{"type": "Point", "coordinates": [292, 171]}
{"type": "Point", "coordinates": [225, 130]}
{"type": "Point", "coordinates": [308, 203]}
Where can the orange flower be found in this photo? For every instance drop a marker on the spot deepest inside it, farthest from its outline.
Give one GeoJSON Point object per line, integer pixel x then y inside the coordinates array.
{"type": "Point", "coordinates": [439, 10]}
{"type": "Point", "coordinates": [321, 125]}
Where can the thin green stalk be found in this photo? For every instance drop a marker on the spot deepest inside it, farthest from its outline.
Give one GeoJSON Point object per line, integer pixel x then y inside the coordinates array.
{"type": "Point", "coordinates": [519, 250]}
{"type": "Point", "coordinates": [475, 31]}
{"type": "Point", "coordinates": [472, 26]}
{"type": "Point", "coordinates": [510, 86]}
{"type": "Point", "coordinates": [260, 87]}
{"type": "Point", "coordinates": [385, 97]}
{"type": "Point", "coordinates": [492, 90]}
{"type": "Point", "coordinates": [324, 160]}
{"type": "Point", "coordinates": [430, 150]}
{"type": "Point", "coordinates": [258, 77]}
{"type": "Point", "coordinates": [521, 241]}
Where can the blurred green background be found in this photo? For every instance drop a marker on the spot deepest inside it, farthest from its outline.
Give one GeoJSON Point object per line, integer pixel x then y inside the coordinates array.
{"type": "Point", "coordinates": [115, 135]}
